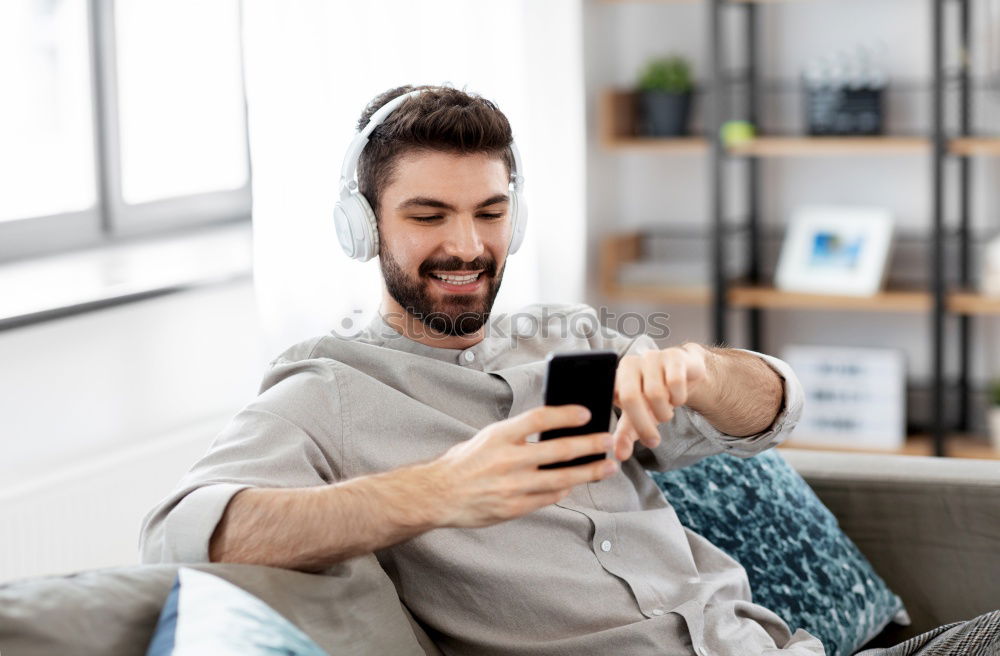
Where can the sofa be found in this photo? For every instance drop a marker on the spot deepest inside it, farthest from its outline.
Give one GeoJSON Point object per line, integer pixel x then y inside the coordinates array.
{"type": "Point", "coordinates": [930, 527]}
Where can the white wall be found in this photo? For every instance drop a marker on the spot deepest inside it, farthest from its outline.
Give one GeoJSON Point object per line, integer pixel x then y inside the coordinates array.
{"type": "Point", "coordinates": [101, 413]}
{"type": "Point", "coordinates": [95, 382]}
{"type": "Point", "coordinates": [626, 190]}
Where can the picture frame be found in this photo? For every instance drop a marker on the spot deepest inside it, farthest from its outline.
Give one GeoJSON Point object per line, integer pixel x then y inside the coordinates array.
{"type": "Point", "coordinates": [835, 250]}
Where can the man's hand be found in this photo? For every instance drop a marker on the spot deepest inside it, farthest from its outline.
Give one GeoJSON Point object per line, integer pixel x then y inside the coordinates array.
{"type": "Point", "coordinates": [494, 476]}
{"type": "Point", "coordinates": [649, 386]}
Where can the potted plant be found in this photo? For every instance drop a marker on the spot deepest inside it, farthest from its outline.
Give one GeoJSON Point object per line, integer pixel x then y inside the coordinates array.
{"type": "Point", "coordinates": [993, 414]}
{"type": "Point", "coordinates": [665, 96]}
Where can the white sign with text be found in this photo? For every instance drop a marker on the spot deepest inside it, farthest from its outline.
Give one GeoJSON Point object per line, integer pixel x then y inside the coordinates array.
{"type": "Point", "coordinates": [854, 397]}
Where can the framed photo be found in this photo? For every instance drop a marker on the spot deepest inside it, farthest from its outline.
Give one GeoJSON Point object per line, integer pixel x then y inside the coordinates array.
{"type": "Point", "coordinates": [854, 397]}
{"type": "Point", "coordinates": [835, 250]}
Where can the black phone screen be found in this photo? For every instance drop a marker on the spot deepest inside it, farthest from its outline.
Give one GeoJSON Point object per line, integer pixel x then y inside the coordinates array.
{"type": "Point", "coordinates": [586, 378]}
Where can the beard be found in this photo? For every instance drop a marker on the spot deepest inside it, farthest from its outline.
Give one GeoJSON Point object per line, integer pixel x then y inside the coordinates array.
{"type": "Point", "coordinates": [457, 315]}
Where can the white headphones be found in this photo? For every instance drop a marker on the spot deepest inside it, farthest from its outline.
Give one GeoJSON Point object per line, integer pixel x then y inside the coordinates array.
{"type": "Point", "coordinates": [353, 215]}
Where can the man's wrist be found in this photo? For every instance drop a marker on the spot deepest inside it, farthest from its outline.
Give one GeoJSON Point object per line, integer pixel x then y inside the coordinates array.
{"type": "Point", "coordinates": [429, 503]}
{"type": "Point", "coordinates": [702, 396]}
{"type": "Point", "coordinates": [742, 395]}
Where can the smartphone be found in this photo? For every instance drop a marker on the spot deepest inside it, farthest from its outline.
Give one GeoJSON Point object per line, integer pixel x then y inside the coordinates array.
{"type": "Point", "coordinates": [585, 378]}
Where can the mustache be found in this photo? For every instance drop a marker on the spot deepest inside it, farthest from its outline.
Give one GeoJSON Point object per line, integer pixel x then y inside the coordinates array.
{"type": "Point", "coordinates": [488, 265]}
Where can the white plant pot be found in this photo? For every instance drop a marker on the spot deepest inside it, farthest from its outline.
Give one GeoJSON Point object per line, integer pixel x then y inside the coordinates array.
{"type": "Point", "coordinates": [993, 418]}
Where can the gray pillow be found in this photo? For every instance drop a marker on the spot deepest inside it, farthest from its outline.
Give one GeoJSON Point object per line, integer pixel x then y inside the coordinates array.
{"type": "Point", "coordinates": [349, 609]}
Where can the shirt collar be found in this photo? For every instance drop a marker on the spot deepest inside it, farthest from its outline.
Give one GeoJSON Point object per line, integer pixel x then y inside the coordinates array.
{"type": "Point", "coordinates": [380, 333]}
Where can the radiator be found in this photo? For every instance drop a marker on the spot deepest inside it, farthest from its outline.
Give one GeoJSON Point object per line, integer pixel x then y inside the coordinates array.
{"type": "Point", "coordinates": [88, 515]}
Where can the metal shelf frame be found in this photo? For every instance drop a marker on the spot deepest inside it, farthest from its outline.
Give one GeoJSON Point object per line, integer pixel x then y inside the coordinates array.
{"type": "Point", "coordinates": [721, 298]}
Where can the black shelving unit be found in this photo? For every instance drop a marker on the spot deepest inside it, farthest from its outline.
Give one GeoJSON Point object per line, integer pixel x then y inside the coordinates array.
{"type": "Point", "coordinates": [939, 152]}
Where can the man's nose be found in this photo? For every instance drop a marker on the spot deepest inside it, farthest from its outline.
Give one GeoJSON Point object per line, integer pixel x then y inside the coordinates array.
{"type": "Point", "coordinates": [464, 241]}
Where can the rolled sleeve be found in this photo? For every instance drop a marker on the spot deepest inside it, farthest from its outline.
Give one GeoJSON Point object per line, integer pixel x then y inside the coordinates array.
{"type": "Point", "coordinates": [187, 530]}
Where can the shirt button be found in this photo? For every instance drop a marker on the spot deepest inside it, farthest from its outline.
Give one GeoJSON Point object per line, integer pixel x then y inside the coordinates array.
{"type": "Point", "coordinates": [657, 611]}
{"type": "Point", "coordinates": [469, 356]}
{"type": "Point", "coordinates": [606, 546]}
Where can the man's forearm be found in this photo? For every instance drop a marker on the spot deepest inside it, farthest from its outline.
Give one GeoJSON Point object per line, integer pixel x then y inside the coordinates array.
{"type": "Point", "coordinates": [312, 528]}
{"type": "Point", "coordinates": [742, 395]}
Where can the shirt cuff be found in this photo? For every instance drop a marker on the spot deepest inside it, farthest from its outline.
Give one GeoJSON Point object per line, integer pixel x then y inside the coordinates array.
{"type": "Point", "coordinates": [189, 526]}
{"type": "Point", "coordinates": [784, 423]}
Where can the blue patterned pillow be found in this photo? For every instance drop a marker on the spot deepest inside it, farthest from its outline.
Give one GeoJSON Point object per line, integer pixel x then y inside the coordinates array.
{"type": "Point", "coordinates": [811, 574]}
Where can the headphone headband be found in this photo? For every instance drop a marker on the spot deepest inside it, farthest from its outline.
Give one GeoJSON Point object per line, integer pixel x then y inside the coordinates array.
{"type": "Point", "coordinates": [349, 168]}
{"type": "Point", "coordinates": [350, 165]}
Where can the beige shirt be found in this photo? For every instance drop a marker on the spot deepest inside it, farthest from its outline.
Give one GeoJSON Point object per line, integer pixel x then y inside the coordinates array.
{"type": "Point", "coordinates": [608, 570]}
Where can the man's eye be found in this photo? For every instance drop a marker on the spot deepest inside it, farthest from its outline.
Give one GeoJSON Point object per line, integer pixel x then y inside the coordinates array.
{"type": "Point", "coordinates": [492, 216]}
{"type": "Point", "coordinates": [427, 219]}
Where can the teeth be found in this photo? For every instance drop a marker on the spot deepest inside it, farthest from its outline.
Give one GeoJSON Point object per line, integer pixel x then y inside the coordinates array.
{"type": "Point", "coordinates": [456, 280]}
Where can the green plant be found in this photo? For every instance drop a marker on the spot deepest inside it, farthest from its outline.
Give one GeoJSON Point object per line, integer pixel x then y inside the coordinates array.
{"type": "Point", "coordinates": [995, 392]}
{"type": "Point", "coordinates": [671, 74]}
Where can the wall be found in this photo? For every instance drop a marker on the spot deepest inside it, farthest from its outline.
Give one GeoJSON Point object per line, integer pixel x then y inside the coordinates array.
{"type": "Point", "coordinates": [78, 395]}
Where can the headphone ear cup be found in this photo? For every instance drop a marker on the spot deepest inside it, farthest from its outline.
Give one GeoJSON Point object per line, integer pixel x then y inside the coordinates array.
{"type": "Point", "coordinates": [356, 228]}
{"type": "Point", "coordinates": [519, 212]}
{"type": "Point", "coordinates": [371, 227]}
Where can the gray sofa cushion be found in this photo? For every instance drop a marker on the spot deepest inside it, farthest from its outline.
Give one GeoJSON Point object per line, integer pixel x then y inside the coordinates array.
{"type": "Point", "coordinates": [350, 609]}
{"type": "Point", "coordinates": [929, 526]}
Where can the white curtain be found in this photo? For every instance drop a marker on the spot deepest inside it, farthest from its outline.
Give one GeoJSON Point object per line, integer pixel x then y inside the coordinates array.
{"type": "Point", "coordinates": [313, 65]}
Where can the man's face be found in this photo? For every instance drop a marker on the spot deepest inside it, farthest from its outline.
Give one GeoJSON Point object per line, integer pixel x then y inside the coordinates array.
{"type": "Point", "coordinates": [444, 227]}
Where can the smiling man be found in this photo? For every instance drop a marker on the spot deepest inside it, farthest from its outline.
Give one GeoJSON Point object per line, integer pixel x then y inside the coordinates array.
{"type": "Point", "coordinates": [413, 441]}
{"type": "Point", "coordinates": [447, 275]}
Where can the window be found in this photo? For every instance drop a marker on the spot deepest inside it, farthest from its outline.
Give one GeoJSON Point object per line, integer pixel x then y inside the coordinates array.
{"type": "Point", "coordinates": [45, 119]}
{"type": "Point", "coordinates": [119, 118]}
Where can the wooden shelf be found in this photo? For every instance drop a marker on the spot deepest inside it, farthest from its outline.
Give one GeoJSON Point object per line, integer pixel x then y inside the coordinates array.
{"type": "Point", "coordinates": [617, 250]}
{"type": "Point", "coordinates": [675, 145]}
{"type": "Point", "coordinates": [807, 146]}
{"type": "Point", "coordinates": [812, 146]}
{"type": "Point", "coordinates": [967, 302]}
{"type": "Point", "coordinates": [956, 446]}
{"type": "Point", "coordinates": [617, 116]}
{"type": "Point", "coordinates": [774, 299]}
{"type": "Point", "coordinates": [665, 294]}
{"type": "Point", "coordinates": [974, 146]}
{"type": "Point", "coordinates": [887, 301]}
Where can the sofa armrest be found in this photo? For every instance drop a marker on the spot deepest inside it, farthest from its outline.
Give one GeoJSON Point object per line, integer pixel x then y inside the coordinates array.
{"type": "Point", "coordinates": [929, 526]}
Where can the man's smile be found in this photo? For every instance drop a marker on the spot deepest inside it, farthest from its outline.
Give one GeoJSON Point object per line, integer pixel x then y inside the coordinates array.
{"type": "Point", "coordinates": [457, 281]}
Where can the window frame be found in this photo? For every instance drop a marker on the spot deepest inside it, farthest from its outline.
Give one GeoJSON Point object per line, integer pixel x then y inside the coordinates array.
{"type": "Point", "coordinates": [111, 219]}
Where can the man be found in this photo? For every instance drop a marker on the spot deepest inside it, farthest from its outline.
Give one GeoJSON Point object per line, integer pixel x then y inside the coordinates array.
{"type": "Point", "coordinates": [415, 439]}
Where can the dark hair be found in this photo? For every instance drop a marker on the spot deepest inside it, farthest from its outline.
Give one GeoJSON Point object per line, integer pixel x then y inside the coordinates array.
{"type": "Point", "coordinates": [439, 119]}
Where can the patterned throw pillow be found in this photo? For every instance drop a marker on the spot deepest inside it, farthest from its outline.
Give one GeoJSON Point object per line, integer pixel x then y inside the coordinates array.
{"type": "Point", "coordinates": [811, 574]}
{"type": "Point", "coordinates": [205, 614]}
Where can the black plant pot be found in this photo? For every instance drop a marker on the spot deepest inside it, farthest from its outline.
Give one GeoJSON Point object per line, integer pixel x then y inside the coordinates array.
{"type": "Point", "coordinates": [664, 114]}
